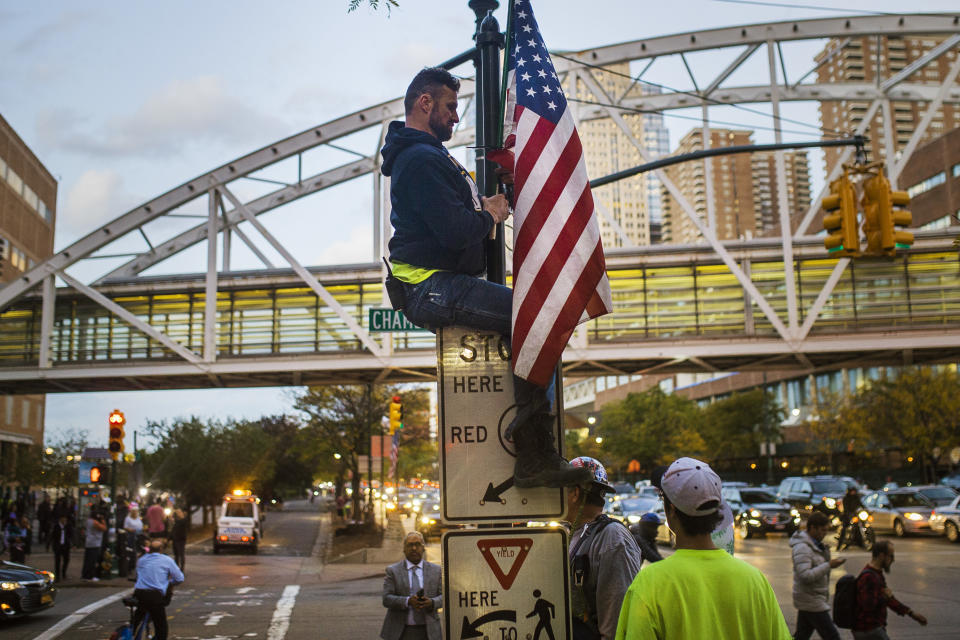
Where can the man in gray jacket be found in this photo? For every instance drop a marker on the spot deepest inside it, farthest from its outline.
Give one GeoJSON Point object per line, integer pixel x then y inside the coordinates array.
{"type": "Point", "coordinates": [811, 579]}
{"type": "Point", "coordinates": [411, 594]}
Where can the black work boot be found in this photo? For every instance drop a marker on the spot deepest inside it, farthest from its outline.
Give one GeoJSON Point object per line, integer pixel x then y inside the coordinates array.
{"type": "Point", "coordinates": [538, 463]}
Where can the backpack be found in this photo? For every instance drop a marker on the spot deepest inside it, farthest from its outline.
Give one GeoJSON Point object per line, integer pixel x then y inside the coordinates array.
{"type": "Point", "coordinates": [845, 602]}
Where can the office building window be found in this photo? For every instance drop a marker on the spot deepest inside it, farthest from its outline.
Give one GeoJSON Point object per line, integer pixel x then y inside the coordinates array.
{"type": "Point", "coordinates": [927, 184]}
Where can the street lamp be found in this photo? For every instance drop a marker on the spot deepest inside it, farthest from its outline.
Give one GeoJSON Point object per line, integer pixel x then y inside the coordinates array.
{"type": "Point", "coordinates": [337, 456]}
{"type": "Point", "coordinates": [48, 451]}
{"type": "Point", "coordinates": [591, 419]}
{"type": "Point", "coordinates": [598, 440]}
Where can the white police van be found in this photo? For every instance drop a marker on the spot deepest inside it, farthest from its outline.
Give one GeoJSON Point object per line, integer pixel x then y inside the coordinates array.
{"type": "Point", "coordinates": [240, 522]}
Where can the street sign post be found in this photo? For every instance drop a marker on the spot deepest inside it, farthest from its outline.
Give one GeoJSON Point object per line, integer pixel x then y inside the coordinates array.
{"type": "Point", "coordinates": [476, 460]}
{"type": "Point", "coordinates": [506, 584]}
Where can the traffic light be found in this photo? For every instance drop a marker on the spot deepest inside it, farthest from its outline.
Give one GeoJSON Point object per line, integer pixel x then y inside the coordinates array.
{"type": "Point", "coordinates": [881, 219]}
{"type": "Point", "coordinates": [116, 422]}
{"type": "Point", "coordinates": [396, 414]}
{"type": "Point", "coordinates": [843, 237]}
{"type": "Point", "coordinates": [99, 475]}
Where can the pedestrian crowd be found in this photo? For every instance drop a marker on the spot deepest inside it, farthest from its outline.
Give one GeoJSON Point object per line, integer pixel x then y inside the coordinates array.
{"type": "Point", "coordinates": [700, 591]}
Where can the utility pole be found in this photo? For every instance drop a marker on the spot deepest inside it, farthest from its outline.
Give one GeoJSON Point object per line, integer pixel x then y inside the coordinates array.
{"type": "Point", "coordinates": [487, 60]}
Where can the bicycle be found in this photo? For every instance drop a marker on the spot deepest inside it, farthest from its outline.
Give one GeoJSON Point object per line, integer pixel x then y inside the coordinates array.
{"type": "Point", "coordinates": [145, 631]}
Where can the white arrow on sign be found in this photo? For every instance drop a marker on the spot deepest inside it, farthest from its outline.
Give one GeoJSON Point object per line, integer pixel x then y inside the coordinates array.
{"type": "Point", "coordinates": [476, 406]}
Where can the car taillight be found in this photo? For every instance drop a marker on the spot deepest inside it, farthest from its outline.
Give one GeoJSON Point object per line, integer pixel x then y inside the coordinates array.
{"type": "Point", "coordinates": [244, 539]}
{"type": "Point", "coordinates": [223, 538]}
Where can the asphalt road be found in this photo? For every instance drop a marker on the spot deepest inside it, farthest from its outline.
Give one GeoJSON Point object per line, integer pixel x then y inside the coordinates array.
{"type": "Point", "coordinates": [286, 593]}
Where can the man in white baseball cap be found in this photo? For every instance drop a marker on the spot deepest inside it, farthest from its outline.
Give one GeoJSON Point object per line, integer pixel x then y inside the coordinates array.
{"type": "Point", "coordinates": [700, 591]}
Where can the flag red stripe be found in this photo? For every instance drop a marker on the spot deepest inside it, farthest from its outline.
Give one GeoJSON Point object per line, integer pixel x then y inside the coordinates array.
{"type": "Point", "coordinates": [556, 340]}
{"type": "Point", "coordinates": [545, 277]}
{"type": "Point", "coordinates": [533, 146]}
{"type": "Point", "coordinates": [543, 207]}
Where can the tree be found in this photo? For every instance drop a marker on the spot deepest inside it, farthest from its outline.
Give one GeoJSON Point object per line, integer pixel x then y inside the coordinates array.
{"type": "Point", "coordinates": [832, 427]}
{"type": "Point", "coordinates": [735, 426]}
{"type": "Point", "coordinates": [652, 427]}
{"type": "Point", "coordinates": [374, 4]}
{"type": "Point", "coordinates": [344, 417]}
{"type": "Point", "coordinates": [917, 410]}
{"type": "Point", "coordinates": [293, 471]}
{"type": "Point", "coordinates": [58, 471]}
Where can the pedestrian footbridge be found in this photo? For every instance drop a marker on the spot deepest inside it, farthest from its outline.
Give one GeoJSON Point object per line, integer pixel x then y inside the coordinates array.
{"type": "Point", "coordinates": [677, 308]}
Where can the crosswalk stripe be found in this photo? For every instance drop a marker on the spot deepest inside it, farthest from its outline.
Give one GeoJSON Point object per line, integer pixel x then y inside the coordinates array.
{"type": "Point", "coordinates": [281, 615]}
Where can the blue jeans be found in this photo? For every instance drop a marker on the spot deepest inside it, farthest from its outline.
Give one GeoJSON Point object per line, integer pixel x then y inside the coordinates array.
{"type": "Point", "coordinates": [448, 299]}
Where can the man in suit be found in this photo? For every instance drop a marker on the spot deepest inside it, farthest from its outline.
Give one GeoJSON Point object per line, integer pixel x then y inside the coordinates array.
{"type": "Point", "coordinates": [411, 594]}
{"type": "Point", "coordinates": [61, 539]}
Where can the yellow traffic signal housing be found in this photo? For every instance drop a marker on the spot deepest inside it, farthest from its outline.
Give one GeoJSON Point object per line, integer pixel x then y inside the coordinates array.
{"type": "Point", "coordinates": [396, 414]}
{"type": "Point", "coordinates": [840, 223]}
{"type": "Point", "coordinates": [881, 219]}
{"type": "Point", "coordinates": [115, 423]}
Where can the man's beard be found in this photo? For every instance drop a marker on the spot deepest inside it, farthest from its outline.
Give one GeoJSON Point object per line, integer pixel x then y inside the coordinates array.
{"type": "Point", "coordinates": [442, 130]}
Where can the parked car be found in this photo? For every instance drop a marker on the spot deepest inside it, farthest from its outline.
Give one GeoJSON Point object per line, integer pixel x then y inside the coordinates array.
{"type": "Point", "coordinates": [25, 590]}
{"type": "Point", "coordinates": [902, 511]}
{"type": "Point", "coordinates": [806, 493]}
{"type": "Point", "coordinates": [623, 487]}
{"type": "Point", "coordinates": [759, 511]}
{"type": "Point", "coordinates": [629, 510]}
{"type": "Point", "coordinates": [938, 495]}
{"type": "Point", "coordinates": [946, 520]}
{"type": "Point", "coordinates": [428, 519]}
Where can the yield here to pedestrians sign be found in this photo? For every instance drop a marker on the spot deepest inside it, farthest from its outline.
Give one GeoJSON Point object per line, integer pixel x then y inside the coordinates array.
{"type": "Point", "coordinates": [476, 407]}
{"type": "Point", "coordinates": [506, 584]}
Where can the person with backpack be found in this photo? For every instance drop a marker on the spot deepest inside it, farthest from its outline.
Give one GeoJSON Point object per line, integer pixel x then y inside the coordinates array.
{"type": "Point", "coordinates": [811, 579]}
{"type": "Point", "coordinates": [874, 597]}
{"type": "Point", "coordinates": [604, 557]}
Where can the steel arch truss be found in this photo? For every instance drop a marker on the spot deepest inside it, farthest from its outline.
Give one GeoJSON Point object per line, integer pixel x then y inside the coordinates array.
{"type": "Point", "coordinates": [225, 210]}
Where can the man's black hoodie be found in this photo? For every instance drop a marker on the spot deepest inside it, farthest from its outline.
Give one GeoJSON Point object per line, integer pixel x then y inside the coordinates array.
{"type": "Point", "coordinates": [435, 223]}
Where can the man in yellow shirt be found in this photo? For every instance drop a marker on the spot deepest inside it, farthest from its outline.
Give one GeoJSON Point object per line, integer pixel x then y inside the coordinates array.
{"type": "Point", "coordinates": [700, 591]}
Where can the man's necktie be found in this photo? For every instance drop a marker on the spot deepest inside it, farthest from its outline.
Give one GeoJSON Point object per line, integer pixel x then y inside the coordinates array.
{"type": "Point", "coordinates": [418, 617]}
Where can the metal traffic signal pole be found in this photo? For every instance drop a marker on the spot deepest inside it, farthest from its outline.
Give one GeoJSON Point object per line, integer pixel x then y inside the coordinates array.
{"type": "Point", "coordinates": [487, 60]}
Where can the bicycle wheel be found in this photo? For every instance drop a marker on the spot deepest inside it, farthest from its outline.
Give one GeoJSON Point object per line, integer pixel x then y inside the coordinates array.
{"type": "Point", "coordinates": [146, 630]}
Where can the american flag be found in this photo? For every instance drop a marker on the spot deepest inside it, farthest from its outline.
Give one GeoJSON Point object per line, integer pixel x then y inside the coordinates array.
{"type": "Point", "coordinates": [394, 452]}
{"type": "Point", "coordinates": [559, 275]}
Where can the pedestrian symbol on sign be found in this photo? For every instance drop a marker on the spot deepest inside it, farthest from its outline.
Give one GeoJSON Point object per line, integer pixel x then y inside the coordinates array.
{"type": "Point", "coordinates": [547, 612]}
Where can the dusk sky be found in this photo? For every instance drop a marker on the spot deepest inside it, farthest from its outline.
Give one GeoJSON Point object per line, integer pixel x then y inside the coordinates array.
{"type": "Point", "coordinates": [122, 101]}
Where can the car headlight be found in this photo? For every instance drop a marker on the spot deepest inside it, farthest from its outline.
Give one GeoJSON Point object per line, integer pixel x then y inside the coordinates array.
{"type": "Point", "coordinates": [10, 586]}
{"type": "Point", "coordinates": [754, 513]}
{"type": "Point", "coordinates": [863, 515]}
{"type": "Point", "coordinates": [633, 519]}
{"type": "Point", "coordinates": [794, 513]}
{"type": "Point", "coordinates": [913, 516]}
{"type": "Point", "coordinates": [830, 503]}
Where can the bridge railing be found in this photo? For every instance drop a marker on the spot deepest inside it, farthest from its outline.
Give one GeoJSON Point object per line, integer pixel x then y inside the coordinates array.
{"type": "Point", "coordinates": [653, 300]}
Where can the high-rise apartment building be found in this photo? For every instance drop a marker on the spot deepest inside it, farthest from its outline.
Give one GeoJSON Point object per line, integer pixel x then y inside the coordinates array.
{"type": "Point", "coordinates": [608, 149]}
{"type": "Point", "coordinates": [656, 140]}
{"type": "Point", "coordinates": [28, 197]}
{"type": "Point", "coordinates": [745, 196]}
{"type": "Point", "coordinates": [765, 189]}
{"type": "Point", "coordinates": [732, 189]}
{"type": "Point", "coordinates": [862, 60]}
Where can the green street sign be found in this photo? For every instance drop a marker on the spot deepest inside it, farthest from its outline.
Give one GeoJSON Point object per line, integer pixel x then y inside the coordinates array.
{"type": "Point", "coordinates": [388, 320]}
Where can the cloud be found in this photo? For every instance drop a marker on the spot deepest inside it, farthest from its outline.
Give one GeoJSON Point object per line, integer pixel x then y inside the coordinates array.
{"type": "Point", "coordinates": [97, 197]}
{"type": "Point", "coordinates": [184, 112]}
{"type": "Point", "coordinates": [53, 30]}
{"type": "Point", "coordinates": [355, 248]}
